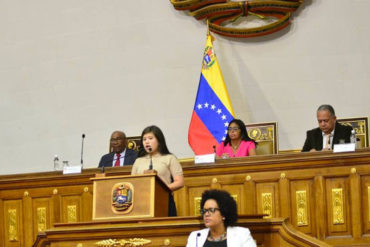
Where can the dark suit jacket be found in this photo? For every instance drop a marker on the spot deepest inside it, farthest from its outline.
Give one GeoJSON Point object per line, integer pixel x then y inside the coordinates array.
{"type": "Point", "coordinates": [107, 160]}
{"type": "Point", "coordinates": [314, 137]}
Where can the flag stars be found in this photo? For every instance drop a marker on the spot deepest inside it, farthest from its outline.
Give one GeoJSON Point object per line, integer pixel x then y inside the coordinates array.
{"type": "Point", "coordinates": [206, 105]}
{"type": "Point", "coordinates": [223, 138]}
{"type": "Point", "coordinates": [226, 124]}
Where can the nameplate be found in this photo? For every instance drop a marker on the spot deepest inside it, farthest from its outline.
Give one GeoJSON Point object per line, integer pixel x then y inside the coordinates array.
{"type": "Point", "coordinates": [348, 147]}
{"type": "Point", "coordinates": [205, 158]}
{"type": "Point", "coordinates": [71, 169]}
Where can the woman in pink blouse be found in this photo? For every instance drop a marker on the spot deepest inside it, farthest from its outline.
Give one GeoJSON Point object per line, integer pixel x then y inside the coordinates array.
{"type": "Point", "coordinates": [237, 142]}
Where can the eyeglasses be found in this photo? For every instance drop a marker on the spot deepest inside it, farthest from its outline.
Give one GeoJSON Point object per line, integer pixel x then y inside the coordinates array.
{"type": "Point", "coordinates": [209, 210]}
{"type": "Point", "coordinates": [233, 129]}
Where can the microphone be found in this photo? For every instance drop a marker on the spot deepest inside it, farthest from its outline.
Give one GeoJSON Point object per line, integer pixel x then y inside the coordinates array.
{"type": "Point", "coordinates": [151, 162]}
{"type": "Point", "coordinates": [214, 148]}
{"type": "Point", "coordinates": [82, 150]}
{"type": "Point", "coordinates": [198, 235]}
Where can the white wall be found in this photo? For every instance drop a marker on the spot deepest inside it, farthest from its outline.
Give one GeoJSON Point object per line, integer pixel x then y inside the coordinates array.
{"type": "Point", "coordinates": [92, 66]}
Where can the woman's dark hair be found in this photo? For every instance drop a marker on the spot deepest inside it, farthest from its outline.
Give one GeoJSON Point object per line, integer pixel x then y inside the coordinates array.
{"type": "Point", "coordinates": [243, 132]}
{"type": "Point", "coordinates": [226, 204]}
{"type": "Point", "coordinates": [157, 132]}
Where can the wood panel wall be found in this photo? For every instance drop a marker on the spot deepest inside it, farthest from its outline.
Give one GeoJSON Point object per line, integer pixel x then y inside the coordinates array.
{"type": "Point", "coordinates": [324, 195]}
{"type": "Point", "coordinates": [169, 232]}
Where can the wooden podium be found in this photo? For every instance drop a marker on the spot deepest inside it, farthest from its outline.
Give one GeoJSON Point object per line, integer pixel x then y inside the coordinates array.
{"type": "Point", "coordinates": [125, 197]}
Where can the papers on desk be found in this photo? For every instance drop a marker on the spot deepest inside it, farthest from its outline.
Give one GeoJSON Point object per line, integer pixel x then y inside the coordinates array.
{"type": "Point", "coordinates": [205, 158]}
{"type": "Point", "coordinates": [71, 169]}
{"type": "Point", "coordinates": [347, 147]}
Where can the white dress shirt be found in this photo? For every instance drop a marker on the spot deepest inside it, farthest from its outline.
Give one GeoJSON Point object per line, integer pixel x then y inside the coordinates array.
{"type": "Point", "coordinates": [121, 159]}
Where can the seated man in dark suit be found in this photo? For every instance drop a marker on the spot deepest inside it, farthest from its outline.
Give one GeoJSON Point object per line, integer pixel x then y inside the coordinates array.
{"type": "Point", "coordinates": [328, 133]}
{"type": "Point", "coordinates": [120, 155]}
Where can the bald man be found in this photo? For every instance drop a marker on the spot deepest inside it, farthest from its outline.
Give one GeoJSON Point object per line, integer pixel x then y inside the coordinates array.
{"type": "Point", "coordinates": [120, 155]}
{"type": "Point", "coordinates": [328, 133]}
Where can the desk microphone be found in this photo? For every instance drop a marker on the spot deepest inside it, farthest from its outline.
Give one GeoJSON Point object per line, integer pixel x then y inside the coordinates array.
{"type": "Point", "coordinates": [198, 235]}
{"type": "Point", "coordinates": [151, 162]}
{"type": "Point", "coordinates": [82, 150]}
{"type": "Point", "coordinates": [214, 148]}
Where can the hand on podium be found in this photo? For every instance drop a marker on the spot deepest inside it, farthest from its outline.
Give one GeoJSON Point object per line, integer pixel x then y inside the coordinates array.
{"type": "Point", "coordinates": [150, 171]}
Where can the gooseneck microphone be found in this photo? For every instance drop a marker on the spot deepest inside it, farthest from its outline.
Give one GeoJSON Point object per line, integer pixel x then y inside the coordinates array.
{"type": "Point", "coordinates": [151, 162]}
{"type": "Point", "coordinates": [214, 148]}
{"type": "Point", "coordinates": [196, 243]}
{"type": "Point", "coordinates": [82, 150]}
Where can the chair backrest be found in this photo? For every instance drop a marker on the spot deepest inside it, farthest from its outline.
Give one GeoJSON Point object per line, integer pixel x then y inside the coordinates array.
{"type": "Point", "coordinates": [360, 125]}
{"type": "Point", "coordinates": [133, 142]}
{"type": "Point", "coordinates": [265, 134]}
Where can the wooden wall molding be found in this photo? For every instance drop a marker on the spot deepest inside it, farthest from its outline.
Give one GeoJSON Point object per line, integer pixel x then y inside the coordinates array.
{"type": "Point", "coordinates": [301, 187]}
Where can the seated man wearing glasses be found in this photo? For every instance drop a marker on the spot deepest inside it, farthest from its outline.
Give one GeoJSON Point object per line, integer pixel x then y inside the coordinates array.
{"type": "Point", "coordinates": [120, 155]}
{"type": "Point", "coordinates": [237, 142]}
{"type": "Point", "coordinates": [220, 214]}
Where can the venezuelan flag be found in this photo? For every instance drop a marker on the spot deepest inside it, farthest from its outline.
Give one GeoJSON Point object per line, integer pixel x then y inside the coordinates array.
{"type": "Point", "coordinates": [212, 110]}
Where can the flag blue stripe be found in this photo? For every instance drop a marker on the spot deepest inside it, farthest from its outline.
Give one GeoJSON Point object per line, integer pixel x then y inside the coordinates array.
{"type": "Point", "coordinates": [215, 115]}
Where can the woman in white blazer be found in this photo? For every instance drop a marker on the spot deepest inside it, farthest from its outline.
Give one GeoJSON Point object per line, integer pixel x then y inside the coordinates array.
{"type": "Point", "coordinates": [219, 214]}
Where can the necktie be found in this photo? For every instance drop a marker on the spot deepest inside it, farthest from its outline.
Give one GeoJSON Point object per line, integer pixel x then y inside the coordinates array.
{"type": "Point", "coordinates": [118, 161]}
{"type": "Point", "coordinates": [327, 144]}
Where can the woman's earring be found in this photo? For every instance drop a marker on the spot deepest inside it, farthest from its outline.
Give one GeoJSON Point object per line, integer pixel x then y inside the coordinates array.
{"type": "Point", "coordinates": [223, 218]}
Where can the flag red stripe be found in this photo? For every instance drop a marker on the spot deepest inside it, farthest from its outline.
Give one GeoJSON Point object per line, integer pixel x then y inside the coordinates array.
{"type": "Point", "coordinates": [199, 137]}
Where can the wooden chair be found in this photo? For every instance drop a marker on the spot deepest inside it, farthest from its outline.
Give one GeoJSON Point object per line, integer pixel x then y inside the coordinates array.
{"type": "Point", "coordinates": [265, 134]}
{"type": "Point", "coordinates": [360, 125]}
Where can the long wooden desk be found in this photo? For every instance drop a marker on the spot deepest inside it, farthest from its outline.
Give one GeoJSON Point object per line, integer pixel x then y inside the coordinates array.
{"type": "Point", "coordinates": [324, 195]}
{"type": "Point", "coordinates": [167, 232]}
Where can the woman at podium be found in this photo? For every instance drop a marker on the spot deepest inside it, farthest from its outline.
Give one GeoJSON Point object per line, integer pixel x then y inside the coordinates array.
{"type": "Point", "coordinates": [154, 156]}
{"type": "Point", "coordinates": [219, 213]}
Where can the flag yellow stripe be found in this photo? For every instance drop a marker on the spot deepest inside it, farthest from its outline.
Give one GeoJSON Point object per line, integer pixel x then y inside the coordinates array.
{"type": "Point", "coordinates": [216, 81]}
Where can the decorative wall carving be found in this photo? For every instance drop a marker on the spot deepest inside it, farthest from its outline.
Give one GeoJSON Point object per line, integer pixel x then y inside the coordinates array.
{"type": "Point", "coordinates": [41, 219]}
{"type": "Point", "coordinates": [338, 211]}
{"type": "Point", "coordinates": [275, 15]}
{"type": "Point", "coordinates": [267, 204]}
{"type": "Point", "coordinates": [301, 201]}
{"type": "Point", "coordinates": [13, 225]}
{"type": "Point", "coordinates": [368, 200]}
{"type": "Point", "coordinates": [71, 213]}
{"type": "Point", "coordinates": [132, 242]}
{"type": "Point", "coordinates": [197, 201]}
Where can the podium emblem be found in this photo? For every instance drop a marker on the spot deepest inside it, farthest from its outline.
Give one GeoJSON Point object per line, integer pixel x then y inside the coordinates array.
{"type": "Point", "coordinates": [122, 198]}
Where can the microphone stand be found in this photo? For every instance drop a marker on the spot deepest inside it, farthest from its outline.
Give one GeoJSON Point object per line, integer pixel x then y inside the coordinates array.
{"type": "Point", "coordinates": [82, 150]}
{"type": "Point", "coordinates": [198, 235]}
{"type": "Point", "coordinates": [151, 161]}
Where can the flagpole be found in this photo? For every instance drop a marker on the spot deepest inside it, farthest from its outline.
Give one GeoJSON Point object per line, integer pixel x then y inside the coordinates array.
{"type": "Point", "coordinates": [208, 32]}
{"type": "Point", "coordinates": [208, 27]}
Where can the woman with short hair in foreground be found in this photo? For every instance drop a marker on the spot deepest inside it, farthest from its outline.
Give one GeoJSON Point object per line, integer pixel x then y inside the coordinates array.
{"type": "Point", "coordinates": [219, 213]}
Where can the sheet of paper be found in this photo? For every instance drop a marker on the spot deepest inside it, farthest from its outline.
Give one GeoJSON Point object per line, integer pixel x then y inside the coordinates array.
{"type": "Point", "coordinates": [347, 147]}
{"type": "Point", "coordinates": [71, 169]}
{"type": "Point", "coordinates": [205, 158]}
